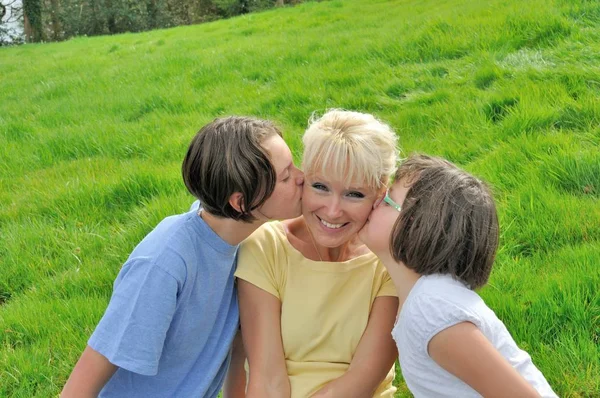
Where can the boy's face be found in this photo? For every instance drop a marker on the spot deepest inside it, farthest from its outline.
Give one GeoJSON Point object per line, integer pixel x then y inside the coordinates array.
{"type": "Point", "coordinates": [286, 200]}
{"type": "Point", "coordinates": [378, 229]}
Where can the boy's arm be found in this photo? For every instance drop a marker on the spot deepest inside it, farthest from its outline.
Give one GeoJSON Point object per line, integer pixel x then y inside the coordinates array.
{"type": "Point", "coordinates": [89, 376]}
{"type": "Point", "coordinates": [466, 353]}
{"type": "Point", "coordinates": [374, 356]}
{"type": "Point", "coordinates": [260, 315]}
{"type": "Point", "coordinates": [235, 380]}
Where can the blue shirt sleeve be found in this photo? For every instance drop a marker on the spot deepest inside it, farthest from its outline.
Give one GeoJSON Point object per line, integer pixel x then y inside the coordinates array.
{"type": "Point", "coordinates": [132, 332]}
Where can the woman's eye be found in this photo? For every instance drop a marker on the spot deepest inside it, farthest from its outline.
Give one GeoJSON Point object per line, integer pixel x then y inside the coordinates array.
{"type": "Point", "coordinates": [319, 186]}
{"type": "Point", "coordinates": [357, 195]}
{"type": "Point", "coordinates": [286, 179]}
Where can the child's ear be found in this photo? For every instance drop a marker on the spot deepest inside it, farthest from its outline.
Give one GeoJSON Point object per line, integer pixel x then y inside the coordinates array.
{"type": "Point", "coordinates": [379, 196]}
{"type": "Point", "coordinates": [236, 200]}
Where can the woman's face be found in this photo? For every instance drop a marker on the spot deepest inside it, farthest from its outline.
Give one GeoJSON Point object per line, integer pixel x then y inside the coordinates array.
{"type": "Point", "coordinates": [335, 212]}
{"type": "Point", "coordinates": [378, 228]}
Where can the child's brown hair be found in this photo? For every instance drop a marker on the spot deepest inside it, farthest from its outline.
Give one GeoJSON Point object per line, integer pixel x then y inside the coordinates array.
{"type": "Point", "coordinates": [448, 223]}
{"type": "Point", "coordinates": [226, 156]}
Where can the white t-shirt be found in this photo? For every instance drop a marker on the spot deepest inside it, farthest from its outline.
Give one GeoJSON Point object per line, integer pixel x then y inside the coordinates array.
{"type": "Point", "coordinates": [435, 303]}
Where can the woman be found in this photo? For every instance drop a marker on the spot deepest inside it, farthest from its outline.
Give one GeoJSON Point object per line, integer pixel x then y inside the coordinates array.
{"type": "Point", "coordinates": [316, 306]}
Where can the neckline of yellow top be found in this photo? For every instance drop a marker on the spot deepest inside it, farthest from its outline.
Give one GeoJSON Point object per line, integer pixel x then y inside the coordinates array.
{"type": "Point", "coordinates": [340, 266]}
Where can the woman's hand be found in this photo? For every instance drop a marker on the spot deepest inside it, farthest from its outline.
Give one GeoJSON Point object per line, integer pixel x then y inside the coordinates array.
{"type": "Point", "coordinates": [348, 385]}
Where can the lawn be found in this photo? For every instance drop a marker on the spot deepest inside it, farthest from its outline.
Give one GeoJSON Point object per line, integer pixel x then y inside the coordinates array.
{"type": "Point", "coordinates": [93, 132]}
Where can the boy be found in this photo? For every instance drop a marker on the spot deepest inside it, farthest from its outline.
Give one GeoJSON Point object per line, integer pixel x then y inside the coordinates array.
{"type": "Point", "coordinates": [173, 313]}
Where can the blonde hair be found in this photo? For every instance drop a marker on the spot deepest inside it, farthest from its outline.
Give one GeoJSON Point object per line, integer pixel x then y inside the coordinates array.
{"type": "Point", "coordinates": [350, 146]}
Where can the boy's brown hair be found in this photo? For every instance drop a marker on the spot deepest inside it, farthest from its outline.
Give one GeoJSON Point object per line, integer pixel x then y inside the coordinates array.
{"type": "Point", "coordinates": [225, 157]}
{"type": "Point", "coordinates": [448, 223]}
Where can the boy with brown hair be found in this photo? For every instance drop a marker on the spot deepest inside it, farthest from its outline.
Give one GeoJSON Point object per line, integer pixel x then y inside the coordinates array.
{"type": "Point", "coordinates": [173, 314]}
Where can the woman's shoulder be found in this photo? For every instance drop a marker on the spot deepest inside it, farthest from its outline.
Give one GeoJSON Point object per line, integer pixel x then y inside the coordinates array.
{"type": "Point", "coordinates": [268, 244]}
{"type": "Point", "coordinates": [272, 232]}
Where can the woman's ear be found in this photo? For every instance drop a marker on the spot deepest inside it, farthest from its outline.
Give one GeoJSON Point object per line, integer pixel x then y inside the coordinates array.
{"type": "Point", "coordinates": [385, 184]}
{"type": "Point", "coordinates": [236, 200]}
{"type": "Point", "coordinates": [381, 191]}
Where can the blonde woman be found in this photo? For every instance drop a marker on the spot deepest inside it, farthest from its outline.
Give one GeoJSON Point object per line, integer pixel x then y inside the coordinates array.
{"type": "Point", "coordinates": [316, 305]}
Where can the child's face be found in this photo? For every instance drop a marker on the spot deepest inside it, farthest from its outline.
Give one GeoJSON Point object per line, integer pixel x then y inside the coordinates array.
{"type": "Point", "coordinates": [286, 200]}
{"type": "Point", "coordinates": [376, 232]}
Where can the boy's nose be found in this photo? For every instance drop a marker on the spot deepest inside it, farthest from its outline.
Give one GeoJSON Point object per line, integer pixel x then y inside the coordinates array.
{"type": "Point", "coordinates": [300, 177]}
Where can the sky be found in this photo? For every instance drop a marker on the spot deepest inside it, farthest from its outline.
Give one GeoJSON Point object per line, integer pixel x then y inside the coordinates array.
{"type": "Point", "coordinates": [15, 27]}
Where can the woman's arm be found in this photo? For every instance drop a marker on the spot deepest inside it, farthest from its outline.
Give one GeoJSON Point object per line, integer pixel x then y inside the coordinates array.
{"type": "Point", "coordinates": [260, 316]}
{"type": "Point", "coordinates": [89, 376]}
{"type": "Point", "coordinates": [466, 353]}
{"type": "Point", "coordinates": [374, 356]}
{"type": "Point", "coordinates": [235, 380]}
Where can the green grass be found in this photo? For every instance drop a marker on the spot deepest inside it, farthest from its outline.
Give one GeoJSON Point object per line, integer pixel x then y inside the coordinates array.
{"type": "Point", "coordinates": [93, 130]}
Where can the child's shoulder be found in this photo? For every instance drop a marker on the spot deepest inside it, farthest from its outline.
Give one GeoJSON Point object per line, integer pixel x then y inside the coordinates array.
{"type": "Point", "coordinates": [168, 232]}
{"type": "Point", "coordinates": [448, 294]}
{"type": "Point", "coordinates": [440, 299]}
{"type": "Point", "coordinates": [438, 302]}
{"type": "Point", "coordinates": [440, 287]}
{"type": "Point", "coordinates": [179, 242]}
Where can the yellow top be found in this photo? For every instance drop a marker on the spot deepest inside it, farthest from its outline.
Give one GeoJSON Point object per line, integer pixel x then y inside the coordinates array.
{"type": "Point", "coordinates": [325, 306]}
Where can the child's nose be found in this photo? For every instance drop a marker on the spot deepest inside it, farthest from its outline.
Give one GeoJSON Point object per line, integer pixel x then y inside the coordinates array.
{"type": "Point", "coordinates": [300, 177]}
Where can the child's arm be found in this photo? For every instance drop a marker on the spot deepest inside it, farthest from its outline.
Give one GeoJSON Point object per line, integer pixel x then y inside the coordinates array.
{"type": "Point", "coordinates": [90, 374]}
{"type": "Point", "coordinates": [260, 316]}
{"type": "Point", "coordinates": [466, 353]}
{"type": "Point", "coordinates": [374, 356]}
{"type": "Point", "coordinates": [235, 381]}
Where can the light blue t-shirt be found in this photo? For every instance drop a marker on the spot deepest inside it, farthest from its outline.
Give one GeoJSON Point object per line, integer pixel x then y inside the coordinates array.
{"type": "Point", "coordinates": [173, 314]}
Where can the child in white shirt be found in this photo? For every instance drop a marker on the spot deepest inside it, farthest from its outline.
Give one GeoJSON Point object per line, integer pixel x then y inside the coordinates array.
{"type": "Point", "coordinates": [436, 231]}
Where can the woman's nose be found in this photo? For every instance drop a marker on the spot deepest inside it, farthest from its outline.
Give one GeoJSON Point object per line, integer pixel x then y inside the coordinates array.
{"type": "Point", "coordinates": [334, 209]}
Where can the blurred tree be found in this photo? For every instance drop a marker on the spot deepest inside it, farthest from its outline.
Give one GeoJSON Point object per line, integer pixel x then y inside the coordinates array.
{"type": "Point", "coordinates": [60, 19]}
{"type": "Point", "coordinates": [32, 16]}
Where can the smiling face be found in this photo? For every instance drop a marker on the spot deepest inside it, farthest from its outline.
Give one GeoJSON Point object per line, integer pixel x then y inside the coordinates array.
{"type": "Point", "coordinates": [333, 211]}
{"type": "Point", "coordinates": [377, 230]}
{"type": "Point", "coordinates": [286, 200]}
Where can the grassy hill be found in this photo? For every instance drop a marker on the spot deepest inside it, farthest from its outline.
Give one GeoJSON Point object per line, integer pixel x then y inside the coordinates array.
{"type": "Point", "coordinates": [93, 130]}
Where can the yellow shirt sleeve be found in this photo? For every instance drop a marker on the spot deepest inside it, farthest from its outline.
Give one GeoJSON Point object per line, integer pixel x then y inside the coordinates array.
{"type": "Point", "coordinates": [387, 287]}
{"type": "Point", "coordinates": [258, 262]}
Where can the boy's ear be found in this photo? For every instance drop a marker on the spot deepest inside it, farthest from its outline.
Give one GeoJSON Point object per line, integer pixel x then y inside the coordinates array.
{"type": "Point", "coordinates": [236, 200]}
